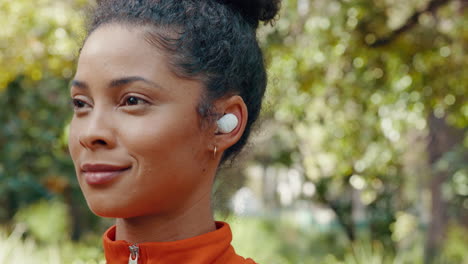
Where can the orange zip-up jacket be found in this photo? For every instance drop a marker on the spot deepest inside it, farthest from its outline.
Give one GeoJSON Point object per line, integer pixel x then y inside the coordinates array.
{"type": "Point", "coordinates": [210, 248]}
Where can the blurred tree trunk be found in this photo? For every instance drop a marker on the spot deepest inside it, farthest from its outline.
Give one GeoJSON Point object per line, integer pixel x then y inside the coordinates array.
{"type": "Point", "coordinates": [74, 211]}
{"type": "Point", "coordinates": [269, 183]}
{"type": "Point", "coordinates": [342, 208]}
{"type": "Point", "coordinates": [442, 138]}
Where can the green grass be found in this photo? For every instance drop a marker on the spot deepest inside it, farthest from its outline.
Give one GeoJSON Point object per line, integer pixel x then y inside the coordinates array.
{"type": "Point", "coordinates": [16, 249]}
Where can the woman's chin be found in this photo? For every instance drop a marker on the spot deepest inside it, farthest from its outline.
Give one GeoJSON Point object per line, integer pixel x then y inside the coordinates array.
{"type": "Point", "coordinates": [111, 214]}
{"type": "Point", "coordinates": [116, 210]}
{"type": "Point", "coordinates": [108, 211]}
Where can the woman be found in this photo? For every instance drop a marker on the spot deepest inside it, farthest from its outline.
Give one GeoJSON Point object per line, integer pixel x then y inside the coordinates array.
{"type": "Point", "coordinates": [165, 91]}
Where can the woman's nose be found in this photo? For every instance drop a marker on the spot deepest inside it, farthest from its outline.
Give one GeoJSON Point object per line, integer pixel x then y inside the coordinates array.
{"type": "Point", "coordinates": [97, 131]}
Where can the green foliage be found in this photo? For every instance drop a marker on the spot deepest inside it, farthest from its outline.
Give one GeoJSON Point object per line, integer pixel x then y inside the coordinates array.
{"type": "Point", "coordinates": [33, 162]}
{"type": "Point", "coordinates": [39, 40]}
{"type": "Point", "coordinates": [42, 235]}
{"type": "Point", "coordinates": [38, 47]}
{"type": "Point", "coordinates": [350, 103]}
{"type": "Point", "coordinates": [455, 248]}
{"type": "Point", "coordinates": [266, 248]}
{"type": "Point", "coordinates": [14, 249]}
{"type": "Point", "coordinates": [282, 241]}
{"type": "Point", "coordinates": [37, 219]}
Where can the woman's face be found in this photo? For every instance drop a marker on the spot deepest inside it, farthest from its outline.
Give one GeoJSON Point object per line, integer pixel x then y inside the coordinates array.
{"type": "Point", "coordinates": [135, 137]}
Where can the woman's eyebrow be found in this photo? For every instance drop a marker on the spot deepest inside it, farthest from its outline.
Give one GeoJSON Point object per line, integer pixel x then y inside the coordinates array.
{"type": "Point", "coordinates": [78, 84]}
{"type": "Point", "coordinates": [130, 79]}
{"type": "Point", "coordinates": [117, 82]}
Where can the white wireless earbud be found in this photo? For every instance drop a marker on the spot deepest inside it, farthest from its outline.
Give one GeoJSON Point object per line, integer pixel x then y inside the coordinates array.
{"type": "Point", "coordinates": [227, 123]}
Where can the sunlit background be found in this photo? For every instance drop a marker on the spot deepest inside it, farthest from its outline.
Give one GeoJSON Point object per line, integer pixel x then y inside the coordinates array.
{"type": "Point", "coordinates": [360, 156]}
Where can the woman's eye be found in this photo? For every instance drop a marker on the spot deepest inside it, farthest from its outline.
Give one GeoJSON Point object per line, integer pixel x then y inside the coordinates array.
{"type": "Point", "coordinates": [133, 100]}
{"type": "Point", "coordinates": [77, 103]}
{"type": "Point", "coordinates": [79, 106]}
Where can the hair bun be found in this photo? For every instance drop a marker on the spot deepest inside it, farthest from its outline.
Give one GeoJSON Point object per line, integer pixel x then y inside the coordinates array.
{"type": "Point", "coordinates": [256, 10]}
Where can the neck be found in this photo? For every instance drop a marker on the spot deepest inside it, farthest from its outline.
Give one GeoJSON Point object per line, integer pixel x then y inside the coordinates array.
{"type": "Point", "coordinates": [190, 221]}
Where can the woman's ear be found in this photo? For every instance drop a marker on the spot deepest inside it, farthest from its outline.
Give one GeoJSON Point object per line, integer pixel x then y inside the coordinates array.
{"type": "Point", "coordinates": [231, 122]}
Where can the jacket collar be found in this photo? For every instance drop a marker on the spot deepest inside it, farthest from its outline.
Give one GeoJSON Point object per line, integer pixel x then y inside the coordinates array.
{"type": "Point", "coordinates": [212, 247]}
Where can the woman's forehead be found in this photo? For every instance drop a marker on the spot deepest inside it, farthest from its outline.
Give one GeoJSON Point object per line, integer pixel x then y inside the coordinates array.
{"type": "Point", "coordinates": [114, 51]}
{"type": "Point", "coordinates": [117, 41]}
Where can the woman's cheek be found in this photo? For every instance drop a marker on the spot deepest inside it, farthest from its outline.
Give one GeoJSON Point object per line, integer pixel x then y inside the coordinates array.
{"type": "Point", "coordinates": [149, 134]}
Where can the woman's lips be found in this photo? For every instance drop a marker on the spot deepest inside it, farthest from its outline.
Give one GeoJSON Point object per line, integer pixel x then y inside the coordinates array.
{"type": "Point", "coordinates": [96, 174]}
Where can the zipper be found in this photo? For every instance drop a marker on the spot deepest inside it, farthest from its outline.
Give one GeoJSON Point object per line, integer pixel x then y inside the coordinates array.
{"type": "Point", "coordinates": [134, 253]}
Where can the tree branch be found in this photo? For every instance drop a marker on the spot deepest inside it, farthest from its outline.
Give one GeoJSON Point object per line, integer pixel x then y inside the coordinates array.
{"type": "Point", "coordinates": [410, 23]}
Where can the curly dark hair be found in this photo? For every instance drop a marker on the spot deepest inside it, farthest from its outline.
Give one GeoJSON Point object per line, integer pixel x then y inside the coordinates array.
{"type": "Point", "coordinates": [213, 41]}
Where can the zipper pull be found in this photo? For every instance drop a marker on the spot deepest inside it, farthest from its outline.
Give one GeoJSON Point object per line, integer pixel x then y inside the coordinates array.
{"type": "Point", "coordinates": [134, 252]}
